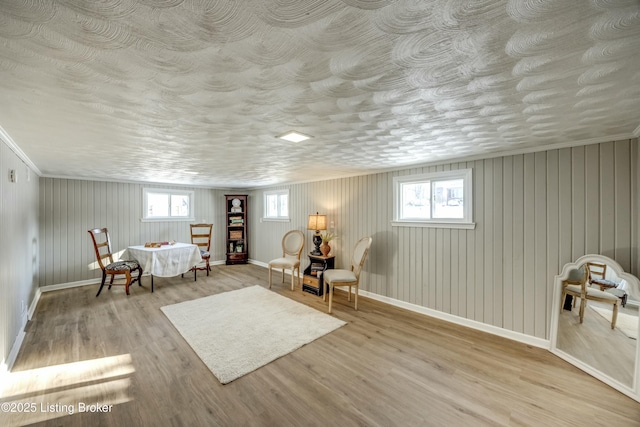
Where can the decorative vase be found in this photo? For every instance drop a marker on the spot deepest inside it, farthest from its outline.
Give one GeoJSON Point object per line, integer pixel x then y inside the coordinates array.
{"type": "Point", "coordinates": [325, 249]}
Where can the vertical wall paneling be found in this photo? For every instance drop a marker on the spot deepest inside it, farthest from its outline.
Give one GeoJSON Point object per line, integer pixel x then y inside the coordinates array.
{"type": "Point", "coordinates": [592, 203]}
{"type": "Point", "coordinates": [540, 277]}
{"type": "Point", "coordinates": [622, 204]}
{"type": "Point", "coordinates": [578, 193]}
{"type": "Point", "coordinates": [635, 210]}
{"type": "Point", "coordinates": [19, 261]}
{"type": "Point", "coordinates": [553, 221]}
{"type": "Point", "coordinates": [527, 304]}
{"type": "Point", "coordinates": [518, 245]}
{"type": "Point", "coordinates": [68, 208]}
{"type": "Point", "coordinates": [607, 200]}
{"type": "Point", "coordinates": [478, 269]}
{"type": "Point", "coordinates": [565, 203]}
{"type": "Point", "coordinates": [533, 214]}
{"type": "Point", "coordinates": [497, 239]}
{"type": "Point", "coordinates": [489, 220]}
{"type": "Point", "coordinates": [508, 240]}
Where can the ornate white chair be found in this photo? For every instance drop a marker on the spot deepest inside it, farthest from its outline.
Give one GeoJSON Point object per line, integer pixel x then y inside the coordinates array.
{"type": "Point", "coordinates": [292, 244]}
{"type": "Point", "coordinates": [350, 278]}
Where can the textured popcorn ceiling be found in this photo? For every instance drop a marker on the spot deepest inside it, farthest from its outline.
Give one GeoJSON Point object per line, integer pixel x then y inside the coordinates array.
{"type": "Point", "coordinates": [151, 90]}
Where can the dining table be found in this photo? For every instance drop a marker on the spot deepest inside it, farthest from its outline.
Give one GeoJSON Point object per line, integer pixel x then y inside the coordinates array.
{"type": "Point", "coordinates": [164, 260]}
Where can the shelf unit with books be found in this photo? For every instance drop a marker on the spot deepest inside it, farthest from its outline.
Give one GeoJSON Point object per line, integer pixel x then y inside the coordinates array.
{"type": "Point", "coordinates": [237, 246]}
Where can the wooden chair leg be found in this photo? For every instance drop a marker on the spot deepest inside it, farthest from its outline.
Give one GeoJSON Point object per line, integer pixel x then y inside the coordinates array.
{"type": "Point", "coordinates": [582, 305]}
{"type": "Point", "coordinates": [139, 276]}
{"type": "Point", "coordinates": [270, 273]}
{"type": "Point", "coordinates": [283, 275]}
{"type": "Point", "coordinates": [292, 288]}
{"type": "Point", "coordinates": [330, 297]}
{"type": "Point", "coordinates": [128, 282]}
{"type": "Point", "coordinates": [614, 317]}
{"type": "Point", "coordinates": [349, 295]}
{"type": "Point", "coordinates": [356, 297]}
{"type": "Point", "coordinates": [208, 267]}
{"type": "Point", "coordinates": [104, 278]}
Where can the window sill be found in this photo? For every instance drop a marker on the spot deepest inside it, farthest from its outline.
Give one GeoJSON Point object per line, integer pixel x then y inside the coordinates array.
{"type": "Point", "coordinates": [167, 219]}
{"type": "Point", "coordinates": [275, 219]}
{"type": "Point", "coordinates": [435, 224]}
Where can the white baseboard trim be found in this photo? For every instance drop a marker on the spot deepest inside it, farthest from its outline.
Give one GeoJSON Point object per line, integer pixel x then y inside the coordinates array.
{"type": "Point", "coordinates": [260, 263]}
{"type": "Point", "coordinates": [494, 330]}
{"type": "Point", "coordinates": [7, 365]}
{"type": "Point", "coordinates": [13, 354]}
{"type": "Point", "coordinates": [59, 286]}
{"type": "Point", "coordinates": [34, 303]}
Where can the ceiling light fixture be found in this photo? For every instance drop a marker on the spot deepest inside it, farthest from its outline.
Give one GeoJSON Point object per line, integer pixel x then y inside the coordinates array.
{"type": "Point", "coordinates": [294, 136]}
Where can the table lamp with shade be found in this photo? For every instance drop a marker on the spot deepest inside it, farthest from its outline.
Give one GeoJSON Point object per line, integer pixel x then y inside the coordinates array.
{"type": "Point", "coordinates": [317, 222]}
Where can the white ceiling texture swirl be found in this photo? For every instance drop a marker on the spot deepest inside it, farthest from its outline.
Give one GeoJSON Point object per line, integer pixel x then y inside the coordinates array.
{"type": "Point", "coordinates": [195, 91]}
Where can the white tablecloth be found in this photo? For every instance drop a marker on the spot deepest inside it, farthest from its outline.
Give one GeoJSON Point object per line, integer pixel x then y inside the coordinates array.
{"type": "Point", "coordinates": [165, 261]}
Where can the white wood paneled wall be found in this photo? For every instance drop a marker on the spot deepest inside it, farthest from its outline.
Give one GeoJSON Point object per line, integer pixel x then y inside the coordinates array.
{"type": "Point", "coordinates": [534, 213]}
{"type": "Point", "coordinates": [68, 208]}
{"type": "Point", "coordinates": [18, 248]}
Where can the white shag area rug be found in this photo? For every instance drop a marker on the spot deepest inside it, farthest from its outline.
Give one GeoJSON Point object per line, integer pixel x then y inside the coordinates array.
{"type": "Point", "coordinates": [237, 332]}
{"type": "Point", "coordinates": [626, 323]}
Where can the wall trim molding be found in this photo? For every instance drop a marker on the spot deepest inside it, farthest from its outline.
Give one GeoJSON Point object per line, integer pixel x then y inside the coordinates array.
{"type": "Point", "coordinates": [17, 344]}
{"type": "Point", "coordinates": [6, 138]}
{"type": "Point", "coordinates": [473, 324]}
{"type": "Point", "coordinates": [68, 285]}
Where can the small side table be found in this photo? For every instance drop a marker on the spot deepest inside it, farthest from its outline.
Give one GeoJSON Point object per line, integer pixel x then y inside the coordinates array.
{"type": "Point", "coordinates": [312, 280]}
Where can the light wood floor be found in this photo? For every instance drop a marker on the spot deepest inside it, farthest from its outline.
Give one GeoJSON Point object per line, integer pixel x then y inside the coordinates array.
{"type": "Point", "coordinates": [387, 367]}
{"type": "Point", "coordinates": [596, 344]}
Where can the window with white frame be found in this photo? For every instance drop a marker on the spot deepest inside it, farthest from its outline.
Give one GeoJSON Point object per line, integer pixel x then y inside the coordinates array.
{"type": "Point", "coordinates": [276, 205]}
{"type": "Point", "coordinates": [439, 199]}
{"type": "Point", "coordinates": [172, 205]}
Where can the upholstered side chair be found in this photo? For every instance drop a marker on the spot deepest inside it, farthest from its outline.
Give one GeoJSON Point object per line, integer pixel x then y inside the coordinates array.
{"type": "Point", "coordinates": [351, 277]}
{"type": "Point", "coordinates": [292, 244]}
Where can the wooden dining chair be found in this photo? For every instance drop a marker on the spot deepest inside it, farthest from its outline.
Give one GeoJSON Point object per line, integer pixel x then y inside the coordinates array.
{"type": "Point", "coordinates": [104, 255]}
{"type": "Point", "coordinates": [576, 285]}
{"type": "Point", "coordinates": [201, 236]}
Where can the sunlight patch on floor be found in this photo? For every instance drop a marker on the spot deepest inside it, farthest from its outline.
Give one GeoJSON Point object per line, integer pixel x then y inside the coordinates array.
{"type": "Point", "coordinates": [50, 392]}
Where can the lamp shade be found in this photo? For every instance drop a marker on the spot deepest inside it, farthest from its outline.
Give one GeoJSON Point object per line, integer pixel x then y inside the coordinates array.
{"type": "Point", "coordinates": [317, 222]}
